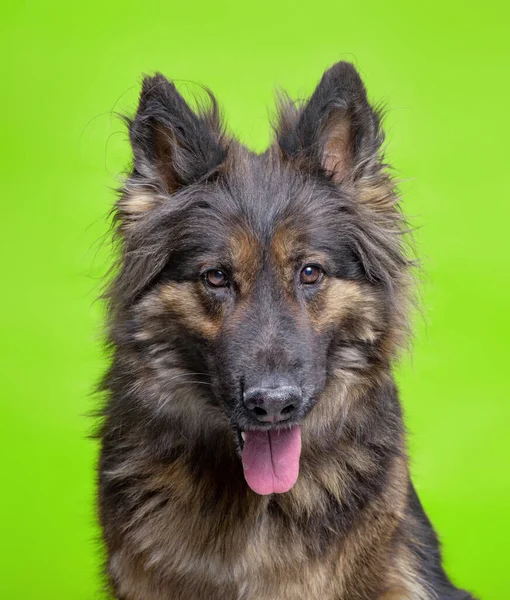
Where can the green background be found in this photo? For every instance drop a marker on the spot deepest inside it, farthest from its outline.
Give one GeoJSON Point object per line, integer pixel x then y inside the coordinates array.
{"type": "Point", "coordinates": [443, 71]}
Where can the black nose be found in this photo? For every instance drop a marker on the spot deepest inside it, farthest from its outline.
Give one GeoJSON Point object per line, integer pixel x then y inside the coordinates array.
{"type": "Point", "coordinates": [272, 405]}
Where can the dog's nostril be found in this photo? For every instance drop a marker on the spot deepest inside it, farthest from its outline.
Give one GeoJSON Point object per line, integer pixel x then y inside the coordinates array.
{"type": "Point", "coordinates": [272, 405]}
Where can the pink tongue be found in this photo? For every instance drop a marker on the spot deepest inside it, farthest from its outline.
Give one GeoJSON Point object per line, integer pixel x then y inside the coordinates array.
{"type": "Point", "coordinates": [271, 460]}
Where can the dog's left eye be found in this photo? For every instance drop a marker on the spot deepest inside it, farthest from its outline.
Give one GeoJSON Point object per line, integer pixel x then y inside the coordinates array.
{"type": "Point", "coordinates": [311, 274]}
{"type": "Point", "coordinates": [216, 278]}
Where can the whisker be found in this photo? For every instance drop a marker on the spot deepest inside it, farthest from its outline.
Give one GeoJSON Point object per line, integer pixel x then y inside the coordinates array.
{"type": "Point", "coordinates": [188, 374]}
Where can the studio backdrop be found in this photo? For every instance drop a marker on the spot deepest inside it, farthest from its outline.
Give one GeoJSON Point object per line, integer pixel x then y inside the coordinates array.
{"type": "Point", "coordinates": [68, 70]}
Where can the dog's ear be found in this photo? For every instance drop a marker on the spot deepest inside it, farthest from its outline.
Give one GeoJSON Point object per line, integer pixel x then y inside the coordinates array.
{"type": "Point", "coordinates": [336, 132]}
{"type": "Point", "coordinates": [173, 146]}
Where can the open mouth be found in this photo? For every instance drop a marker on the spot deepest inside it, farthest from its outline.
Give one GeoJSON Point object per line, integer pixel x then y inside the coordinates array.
{"type": "Point", "coordinates": [271, 458]}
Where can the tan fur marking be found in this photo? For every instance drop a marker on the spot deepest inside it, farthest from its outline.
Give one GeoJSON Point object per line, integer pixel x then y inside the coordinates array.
{"type": "Point", "coordinates": [287, 243]}
{"type": "Point", "coordinates": [338, 298]}
{"type": "Point", "coordinates": [284, 245]}
{"type": "Point", "coordinates": [246, 254]}
{"type": "Point", "coordinates": [134, 205]}
{"type": "Point", "coordinates": [377, 193]}
{"type": "Point", "coordinates": [183, 300]}
{"type": "Point", "coordinates": [403, 579]}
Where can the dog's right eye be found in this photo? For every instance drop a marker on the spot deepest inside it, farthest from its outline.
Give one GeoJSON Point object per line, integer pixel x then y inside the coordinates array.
{"type": "Point", "coordinates": [216, 278]}
{"type": "Point", "coordinates": [311, 274]}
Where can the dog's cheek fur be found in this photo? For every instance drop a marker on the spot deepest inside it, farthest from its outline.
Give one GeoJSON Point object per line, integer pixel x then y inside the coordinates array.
{"type": "Point", "coordinates": [186, 305]}
{"type": "Point", "coordinates": [344, 306]}
{"type": "Point", "coordinates": [161, 362]}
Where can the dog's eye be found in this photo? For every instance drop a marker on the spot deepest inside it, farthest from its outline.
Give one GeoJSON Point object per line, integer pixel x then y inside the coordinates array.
{"type": "Point", "coordinates": [216, 278]}
{"type": "Point", "coordinates": [311, 274]}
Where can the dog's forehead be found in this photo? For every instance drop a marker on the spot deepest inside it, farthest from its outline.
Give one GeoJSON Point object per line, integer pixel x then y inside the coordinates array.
{"type": "Point", "coordinates": [271, 199]}
{"type": "Point", "coordinates": [262, 211]}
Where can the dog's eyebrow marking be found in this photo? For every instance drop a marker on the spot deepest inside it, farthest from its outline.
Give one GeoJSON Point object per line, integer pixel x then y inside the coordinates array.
{"type": "Point", "coordinates": [285, 244]}
{"type": "Point", "coordinates": [289, 251]}
{"type": "Point", "coordinates": [246, 255]}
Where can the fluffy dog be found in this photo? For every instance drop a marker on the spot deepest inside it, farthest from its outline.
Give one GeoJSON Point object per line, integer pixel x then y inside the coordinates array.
{"type": "Point", "coordinates": [252, 440]}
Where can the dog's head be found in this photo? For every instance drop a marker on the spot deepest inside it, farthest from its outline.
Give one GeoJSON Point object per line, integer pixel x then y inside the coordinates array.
{"type": "Point", "coordinates": [258, 279]}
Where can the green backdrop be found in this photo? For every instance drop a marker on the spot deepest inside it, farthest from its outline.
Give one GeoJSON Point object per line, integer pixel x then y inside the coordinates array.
{"type": "Point", "coordinates": [443, 71]}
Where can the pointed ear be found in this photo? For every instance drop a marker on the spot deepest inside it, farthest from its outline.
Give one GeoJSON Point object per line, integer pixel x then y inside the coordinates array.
{"type": "Point", "coordinates": [173, 146]}
{"type": "Point", "coordinates": [336, 132]}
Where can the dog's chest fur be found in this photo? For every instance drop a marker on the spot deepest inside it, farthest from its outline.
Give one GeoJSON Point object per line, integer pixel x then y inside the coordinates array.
{"type": "Point", "coordinates": [193, 530]}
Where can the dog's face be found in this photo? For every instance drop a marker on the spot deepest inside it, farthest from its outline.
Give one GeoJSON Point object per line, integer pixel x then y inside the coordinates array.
{"type": "Point", "coordinates": [260, 277]}
{"type": "Point", "coordinates": [260, 287]}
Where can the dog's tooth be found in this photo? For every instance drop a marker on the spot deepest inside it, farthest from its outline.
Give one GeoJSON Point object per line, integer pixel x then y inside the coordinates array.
{"type": "Point", "coordinates": [243, 435]}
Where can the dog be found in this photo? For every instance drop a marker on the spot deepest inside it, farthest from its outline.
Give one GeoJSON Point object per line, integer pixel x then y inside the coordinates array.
{"type": "Point", "coordinates": [252, 440]}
